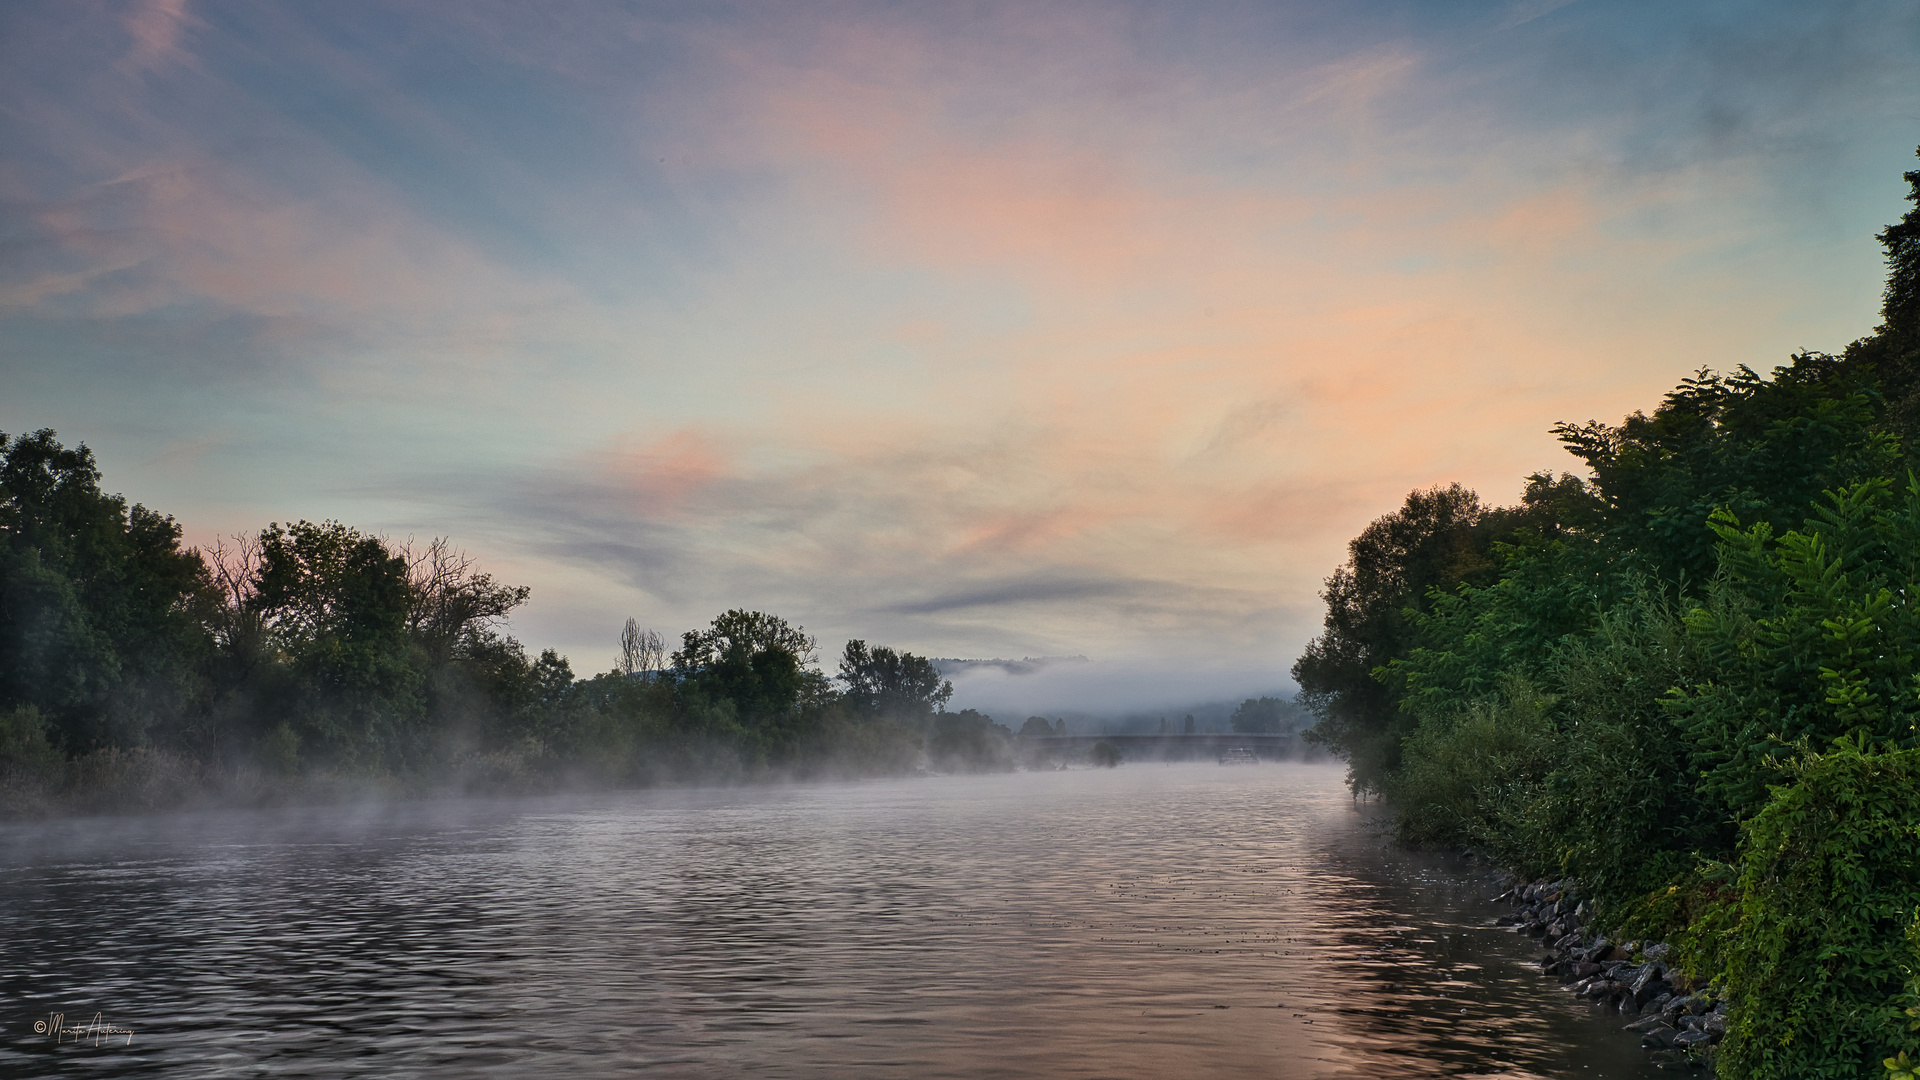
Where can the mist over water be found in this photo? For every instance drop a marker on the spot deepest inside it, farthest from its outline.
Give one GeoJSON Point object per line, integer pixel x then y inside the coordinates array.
{"type": "Point", "coordinates": [1107, 689]}
{"type": "Point", "coordinates": [1149, 921]}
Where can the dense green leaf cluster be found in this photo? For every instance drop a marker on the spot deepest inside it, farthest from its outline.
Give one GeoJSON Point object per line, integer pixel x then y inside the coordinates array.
{"type": "Point", "coordinates": [1818, 961]}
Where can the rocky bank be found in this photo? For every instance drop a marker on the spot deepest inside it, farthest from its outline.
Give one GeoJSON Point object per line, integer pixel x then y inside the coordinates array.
{"type": "Point", "coordinates": [1677, 1020]}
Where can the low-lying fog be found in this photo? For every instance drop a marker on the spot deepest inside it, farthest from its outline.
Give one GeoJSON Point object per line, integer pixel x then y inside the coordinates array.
{"type": "Point", "coordinates": [1095, 690]}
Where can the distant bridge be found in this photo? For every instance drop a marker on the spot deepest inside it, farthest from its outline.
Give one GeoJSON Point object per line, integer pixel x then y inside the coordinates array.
{"type": "Point", "coordinates": [1170, 745]}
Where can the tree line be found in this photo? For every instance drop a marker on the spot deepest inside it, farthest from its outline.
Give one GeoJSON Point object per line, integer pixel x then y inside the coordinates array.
{"type": "Point", "coordinates": [1689, 678]}
{"type": "Point", "coordinates": [135, 670]}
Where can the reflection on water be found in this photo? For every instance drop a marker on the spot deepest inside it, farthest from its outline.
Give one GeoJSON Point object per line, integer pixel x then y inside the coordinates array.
{"type": "Point", "coordinates": [1149, 921]}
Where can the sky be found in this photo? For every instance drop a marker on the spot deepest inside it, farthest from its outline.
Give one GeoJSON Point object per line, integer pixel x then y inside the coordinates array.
{"type": "Point", "coordinates": [973, 329]}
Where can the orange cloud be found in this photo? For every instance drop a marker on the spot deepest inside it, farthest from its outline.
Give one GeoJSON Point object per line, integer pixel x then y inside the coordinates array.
{"type": "Point", "coordinates": [663, 476]}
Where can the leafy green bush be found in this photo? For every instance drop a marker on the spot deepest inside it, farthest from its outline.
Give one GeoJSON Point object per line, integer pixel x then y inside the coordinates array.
{"type": "Point", "coordinates": [1818, 961]}
{"type": "Point", "coordinates": [1620, 811]}
{"type": "Point", "coordinates": [1473, 777]}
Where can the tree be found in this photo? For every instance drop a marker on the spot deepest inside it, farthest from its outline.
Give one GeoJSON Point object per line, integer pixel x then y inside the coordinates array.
{"type": "Point", "coordinates": [757, 666]}
{"type": "Point", "coordinates": [451, 605]}
{"type": "Point", "coordinates": [1891, 354]}
{"type": "Point", "coordinates": [1391, 565]}
{"type": "Point", "coordinates": [897, 685]}
{"type": "Point", "coordinates": [337, 603]}
{"type": "Point", "coordinates": [1265, 714]}
{"type": "Point", "coordinates": [641, 652]}
{"type": "Point", "coordinates": [969, 741]}
{"type": "Point", "coordinates": [1036, 727]}
{"type": "Point", "coordinates": [1761, 447]}
{"type": "Point", "coordinates": [1398, 569]}
{"type": "Point", "coordinates": [99, 604]}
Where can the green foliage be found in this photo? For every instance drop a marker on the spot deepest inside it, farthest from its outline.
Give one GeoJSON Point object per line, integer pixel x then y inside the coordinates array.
{"type": "Point", "coordinates": [747, 674]}
{"type": "Point", "coordinates": [1818, 959]}
{"type": "Point", "coordinates": [336, 602]}
{"type": "Point", "coordinates": [1036, 727]}
{"type": "Point", "coordinates": [1266, 715]}
{"type": "Point", "coordinates": [315, 654]}
{"type": "Point", "coordinates": [1473, 776]}
{"type": "Point", "coordinates": [1398, 569]}
{"type": "Point", "coordinates": [968, 741]}
{"type": "Point", "coordinates": [1759, 447]}
{"type": "Point", "coordinates": [98, 602]}
{"type": "Point", "coordinates": [1620, 809]}
{"type": "Point", "coordinates": [1621, 679]}
{"type": "Point", "coordinates": [898, 685]}
{"type": "Point", "coordinates": [1892, 352]}
{"type": "Point", "coordinates": [23, 742]}
{"type": "Point", "coordinates": [1810, 636]}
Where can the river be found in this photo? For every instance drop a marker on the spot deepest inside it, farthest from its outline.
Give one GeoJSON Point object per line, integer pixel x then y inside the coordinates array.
{"type": "Point", "coordinates": [1153, 920]}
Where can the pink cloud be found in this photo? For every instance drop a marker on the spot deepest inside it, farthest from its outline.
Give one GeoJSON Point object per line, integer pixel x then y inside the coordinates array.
{"type": "Point", "coordinates": [156, 27]}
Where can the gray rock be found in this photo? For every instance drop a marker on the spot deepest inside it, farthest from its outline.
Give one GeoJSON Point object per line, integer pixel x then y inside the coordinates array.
{"type": "Point", "coordinates": [1692, 1038]}
{"type": "Point", "coordinates": [1715, 1023]}
{"type": "Point", "coordinates": [1649, 993]}
{"type": "Point", "coordinates": [1656, 950]}
{"type": "Point", "coordinates": [1657, 1036]}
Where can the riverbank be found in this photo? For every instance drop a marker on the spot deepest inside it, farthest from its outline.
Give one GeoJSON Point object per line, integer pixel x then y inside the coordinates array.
{"type": "Point", "coordinates": [1680, 1021]}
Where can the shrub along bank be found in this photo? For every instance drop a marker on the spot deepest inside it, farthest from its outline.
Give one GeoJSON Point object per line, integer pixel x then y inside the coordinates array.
{"type": "Point", "coordinates": [1689, 680]}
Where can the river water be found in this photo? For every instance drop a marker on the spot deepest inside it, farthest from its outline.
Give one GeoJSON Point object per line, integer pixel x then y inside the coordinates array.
{"type": "Point", "coordinates": [1153, 920]}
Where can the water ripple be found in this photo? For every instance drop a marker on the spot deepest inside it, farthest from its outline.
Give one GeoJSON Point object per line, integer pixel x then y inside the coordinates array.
{"type": "Point", "coordinates": [1149, 921]}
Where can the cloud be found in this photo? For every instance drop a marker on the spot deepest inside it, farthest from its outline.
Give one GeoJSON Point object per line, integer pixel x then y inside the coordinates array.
{"type": "Point", "coordinates": [156, 27]}
{"type": "Point", "coordinates": [1528, 10]}
{"type": "Point", "coordinates": [1030, 589]}
{"type": "Point", "coordinates": [986, 330]}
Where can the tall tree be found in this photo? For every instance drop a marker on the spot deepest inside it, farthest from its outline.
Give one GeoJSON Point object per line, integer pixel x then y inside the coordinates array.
{"type": "Point", "coordinates": [338, 603]}
{"type": "Point", "coordinates": [1891, 354]}
{"type": "Point", "coordinates": [99, 603]}
{"type": "Point", "coordinates": [1431, 541]}
{"type": "Point", "coordinates": [897, 685]}
{"type": "Point", "coordinates": [642, 654]}
{"type": "Point", "coordinates": [759, 667]}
